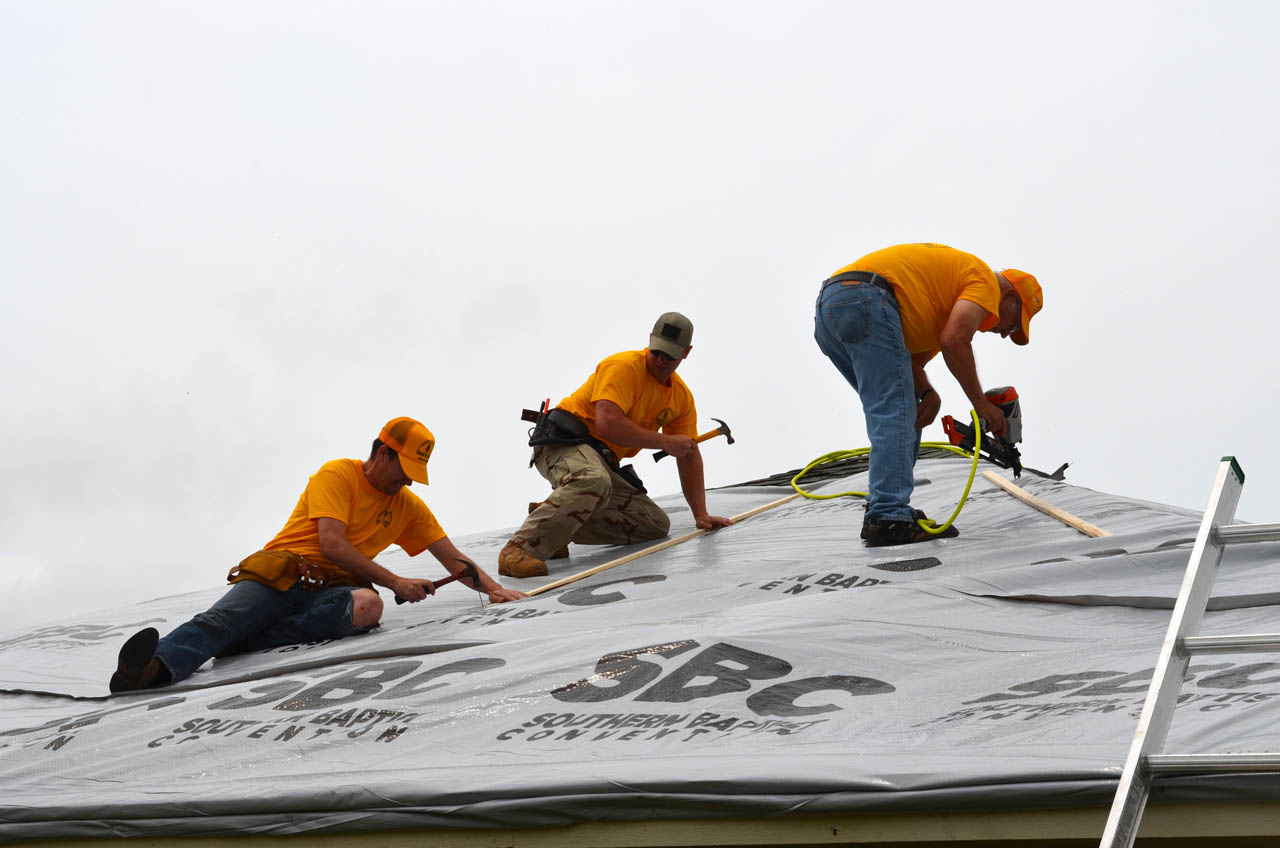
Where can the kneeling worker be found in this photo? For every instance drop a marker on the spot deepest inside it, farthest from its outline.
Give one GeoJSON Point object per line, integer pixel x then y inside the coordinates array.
{"type": "Point", "coordinates": [314, 580]}
{"type": "Point", "coordinates": [619, 410]}
{"type": "Point", "coordinates": [879, 321]}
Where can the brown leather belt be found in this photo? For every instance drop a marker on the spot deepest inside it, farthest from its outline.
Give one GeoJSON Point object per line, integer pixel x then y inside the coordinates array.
{"type": "Point", "coordinates": [859, 277]}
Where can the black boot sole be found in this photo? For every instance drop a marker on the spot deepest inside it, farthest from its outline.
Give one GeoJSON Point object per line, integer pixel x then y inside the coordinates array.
{"type": "Point", "coordinates": [135, 655]}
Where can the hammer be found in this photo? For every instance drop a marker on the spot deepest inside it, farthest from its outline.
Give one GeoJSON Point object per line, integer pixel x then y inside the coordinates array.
{"type": "Point", "coordinates": [723, 429]}
{"type": "Point", "coordinates": [468, 571]}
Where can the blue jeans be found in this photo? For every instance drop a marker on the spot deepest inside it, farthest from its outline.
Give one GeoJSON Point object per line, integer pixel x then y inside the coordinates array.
{"type": "Point", "coordinates": [254, 617]}
{"type": "Point", "coordinates": [860, 331]}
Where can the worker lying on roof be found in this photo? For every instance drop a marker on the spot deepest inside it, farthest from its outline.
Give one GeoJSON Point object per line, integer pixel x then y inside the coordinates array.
{"type": "Point", "coordinates": [314, 580]}
{"type": "Point", "coordinates": [619, 410]}
{"type": "Point", "coordinates": [879, 321]}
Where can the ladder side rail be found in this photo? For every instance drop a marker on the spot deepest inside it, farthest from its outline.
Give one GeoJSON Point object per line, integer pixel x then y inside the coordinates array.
{"type": "Point", "coordinates": [1166, 682]}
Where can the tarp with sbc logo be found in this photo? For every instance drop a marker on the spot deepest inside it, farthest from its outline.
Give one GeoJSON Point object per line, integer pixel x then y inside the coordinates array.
{"type": "Point", "coordinates": [773, 667]}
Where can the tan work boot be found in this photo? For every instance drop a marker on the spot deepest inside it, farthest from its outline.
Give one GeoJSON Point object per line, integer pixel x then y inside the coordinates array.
{"type": "Point", "coordinates": [519, 563]}
{"type": "Point", "coordinates": [563, 553]}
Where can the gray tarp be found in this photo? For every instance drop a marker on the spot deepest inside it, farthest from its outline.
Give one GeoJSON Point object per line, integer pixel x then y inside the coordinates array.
{"type": "Point", "coordinates": [775, 666]}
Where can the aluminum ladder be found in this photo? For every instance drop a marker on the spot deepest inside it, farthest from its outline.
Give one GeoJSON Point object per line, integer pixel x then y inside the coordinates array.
{"type": "Point", "coordinates": [1146, 759]}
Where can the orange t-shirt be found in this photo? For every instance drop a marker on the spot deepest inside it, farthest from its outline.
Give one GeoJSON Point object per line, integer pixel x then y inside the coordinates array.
{"type": "Point", "coordinates": [928, 279]}
{"type": "Point", "coordinates": [374, 520]}
{"type": "Point", "coordinates": [624, 380]}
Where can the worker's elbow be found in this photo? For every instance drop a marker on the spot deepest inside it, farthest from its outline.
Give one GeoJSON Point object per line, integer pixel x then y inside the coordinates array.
{"type": "Point", "coordinates": [328, 545]}
{"type": "Point", "coordinates": [609, 426]}
{"type": "Point", "coordinates": [953, 344]}
{"type": "Point", "coordinates": [690, 465]}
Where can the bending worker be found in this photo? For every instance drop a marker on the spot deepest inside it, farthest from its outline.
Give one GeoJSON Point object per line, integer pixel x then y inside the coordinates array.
{"type": "Point", "coordinates": [619, 410]}
{"type": "Point", "coordinates": [315, 579]}
{"type": "Point", "coordinates": [879, 321]}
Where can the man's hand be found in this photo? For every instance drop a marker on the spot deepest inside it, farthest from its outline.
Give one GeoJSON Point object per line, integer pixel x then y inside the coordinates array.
{"type": "Point", "coordinates": [991, 414]}
{"type": "Point", "coordinates": [711, 522]}
{"type": "Point", "coordinates": [453, 559]}
{"type": "Point", "coordinates": [411, 591]}
{"type": "Point", "coordinates": [501, 595]}
{"type": "Point", "coordinates": [927, 410]}
{"type": "Point", "coordinates": [678, 446]}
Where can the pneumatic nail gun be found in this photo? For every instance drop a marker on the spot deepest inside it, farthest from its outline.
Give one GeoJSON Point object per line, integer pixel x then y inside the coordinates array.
{"type": "Point", "coordinates": [999, 450]}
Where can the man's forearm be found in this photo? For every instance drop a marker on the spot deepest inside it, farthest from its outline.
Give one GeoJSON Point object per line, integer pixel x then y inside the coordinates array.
{"type": "Point", "coordinates": [961, 362]}
{"type": "Point", "coordinates": [918, 377]}
{"type": "Point", "coordinates": [623, 431]}
{"type": "Point", "coordinates": [693, 482]}
{"type": "Point", "coordinates": [344, 555]}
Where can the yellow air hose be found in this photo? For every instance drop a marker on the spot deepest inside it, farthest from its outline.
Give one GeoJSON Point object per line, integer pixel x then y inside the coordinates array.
{"type": "Point", "coordinates": [835, 456]}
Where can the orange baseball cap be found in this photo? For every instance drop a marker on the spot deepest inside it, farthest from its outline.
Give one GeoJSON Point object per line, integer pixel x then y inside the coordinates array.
{"type": "Point", "coordinates": [413, 443]}
{"type": "Point", "coordinates": [1028, 289]}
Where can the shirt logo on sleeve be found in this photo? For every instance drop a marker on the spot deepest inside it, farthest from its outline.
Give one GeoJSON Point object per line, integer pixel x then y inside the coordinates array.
{"type": "Point", "coordinates": [383, 518]}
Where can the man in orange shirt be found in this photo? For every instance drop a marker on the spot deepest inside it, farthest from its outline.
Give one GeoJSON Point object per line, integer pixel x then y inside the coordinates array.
{"type": "Point", "coordinates": [619, 410]}
{"type": "Point", "coordinates": [879, 321]}
{"type": "Point", "coordinates": [315, 579]}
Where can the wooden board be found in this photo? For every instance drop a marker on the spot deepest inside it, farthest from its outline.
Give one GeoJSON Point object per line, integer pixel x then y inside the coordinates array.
{"type": "Point", "coordinates": [1048, 509]}
{"type": "Point", "coordinates": [564, 581]}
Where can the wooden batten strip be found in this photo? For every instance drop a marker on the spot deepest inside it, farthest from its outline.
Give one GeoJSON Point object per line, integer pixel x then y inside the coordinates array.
{"type": "Point", "coordinates": [1047, 508]}
{"type": "Point", "coordinates": [572, 578]}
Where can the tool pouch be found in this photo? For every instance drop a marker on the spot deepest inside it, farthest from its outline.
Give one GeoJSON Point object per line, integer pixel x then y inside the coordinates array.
{"type": "Point", "coordinates": [559, 427]}
{"type": "Point", "coordinates": [281, 569]}
{"type": "Point", "coordinates": [277, 569]}
{"type": "Point", "coordinates": [556, 427]}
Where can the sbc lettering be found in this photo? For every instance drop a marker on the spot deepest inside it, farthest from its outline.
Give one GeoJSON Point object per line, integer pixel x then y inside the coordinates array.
{"type": "Point", "coordinates": [719, 669]}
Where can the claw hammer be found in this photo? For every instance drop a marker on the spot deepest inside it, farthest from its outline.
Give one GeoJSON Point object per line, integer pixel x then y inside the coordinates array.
{"type": "Point", "coordinates": [723, 429]}
{"type": "Point", "coordinates": [468, 573]}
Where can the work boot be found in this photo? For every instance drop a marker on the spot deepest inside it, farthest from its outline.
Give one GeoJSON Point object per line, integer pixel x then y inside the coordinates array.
{"type": "Point", "coordinates": [563, 553]}
{"type": "Point", "coordinates": [918, 513]}
{"type": "Point", "coordinates": [881, 534]}
{"type": "Point", "coordinates": [137, 666]}
{"type": "Point", "coordinates": [518, 563]}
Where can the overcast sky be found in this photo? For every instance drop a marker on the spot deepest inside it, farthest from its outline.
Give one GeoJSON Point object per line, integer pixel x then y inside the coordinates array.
{"type": "Point", "coordinates": [237, 237]}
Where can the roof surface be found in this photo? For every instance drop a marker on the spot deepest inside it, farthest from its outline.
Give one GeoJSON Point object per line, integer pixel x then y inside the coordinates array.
{"type": "Point", "coordinates": [770, 668]}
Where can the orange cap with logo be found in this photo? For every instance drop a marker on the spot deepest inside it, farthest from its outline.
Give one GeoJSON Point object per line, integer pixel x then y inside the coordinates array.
{"type": "Point", "coordinates": [1028, 289]}
{"type": "Point", "coordinates": [413, 443]}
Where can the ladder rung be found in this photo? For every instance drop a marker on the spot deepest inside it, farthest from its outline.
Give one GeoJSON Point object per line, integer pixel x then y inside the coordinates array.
{"type": "Point", "coordinates": [1231, 534]}
{"type": "Point", "coordinates": [1211, 763]}
{"type": "Point", "coordinates": [1236, 644]}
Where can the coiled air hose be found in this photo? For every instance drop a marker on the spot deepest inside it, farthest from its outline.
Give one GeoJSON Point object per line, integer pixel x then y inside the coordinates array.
{"type": "Point", "coordinates": [835, 456]}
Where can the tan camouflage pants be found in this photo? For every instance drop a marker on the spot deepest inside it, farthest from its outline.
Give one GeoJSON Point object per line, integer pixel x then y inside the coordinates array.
{"type": "Point", "coordinates": [591, 505]}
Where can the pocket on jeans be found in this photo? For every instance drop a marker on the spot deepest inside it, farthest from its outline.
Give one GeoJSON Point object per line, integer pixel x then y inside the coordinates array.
{"type": "Point", "coordinates": [850, 324]}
